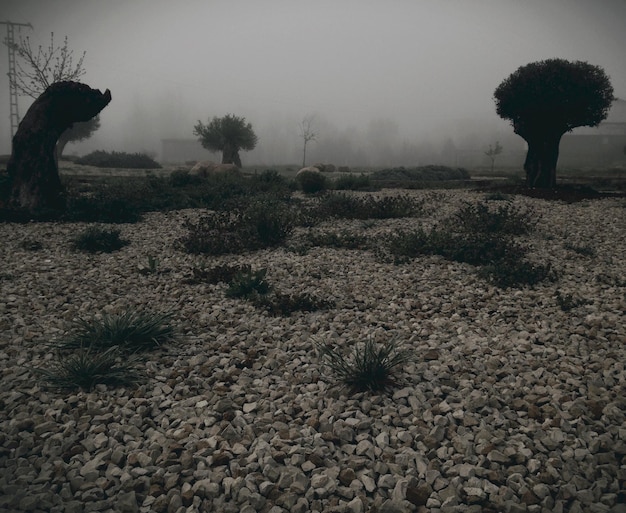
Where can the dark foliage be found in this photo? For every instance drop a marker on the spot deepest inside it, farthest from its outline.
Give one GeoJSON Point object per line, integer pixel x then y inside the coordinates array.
{"type": "Point", "coordinates": [96, 239]}
{"type": "Point", "coordinates": [118, 159]}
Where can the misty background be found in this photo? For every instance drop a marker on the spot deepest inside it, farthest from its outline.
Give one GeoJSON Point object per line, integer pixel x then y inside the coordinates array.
{"type": "Point", "coordinates": [389, 82]}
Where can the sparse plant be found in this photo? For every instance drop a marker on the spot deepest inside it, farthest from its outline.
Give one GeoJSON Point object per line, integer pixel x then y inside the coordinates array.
{"type": "Point", "coordinates": [584, 250]}
{"type": "Point", "coordinates": [346, 206]}
{"type": "Point", "coordinates": [97, 239]}
{"type": "Point", "coordinates": [31, 245]}
{"type": "Point", "coordinates": [131, 331]}
{"type": "Point", "coordinates": [512, 272]}
{"type": "Point", "coordinates": [86, 367]}
{"type": "Point", "coordinates": [217, 274]}
{"type": "Point", "coordinates": [568, 302]}
{"type": "Point", "coordinates": [507, 218]}
{"type": "Point", "coordinates": [493, 152]}
{"type": "Point", "coordinates": [280, 304]}
{"type": "Point", "coordinates": [248, 283]}
{"type": "Point", "coordinates": [371, 366]}
{"type": "Point", "coordinates": [152, 266]}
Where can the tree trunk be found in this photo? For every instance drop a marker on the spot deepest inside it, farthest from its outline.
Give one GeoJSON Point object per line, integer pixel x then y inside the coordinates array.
{"type": "Point", "coordinates": [541, 159]}
{"type": "Point", "coordinates": [304, 155]}
{"type": "Point", "coordinates": [32, 168]}
{"type": "Point", "coordinates": [230, 155]}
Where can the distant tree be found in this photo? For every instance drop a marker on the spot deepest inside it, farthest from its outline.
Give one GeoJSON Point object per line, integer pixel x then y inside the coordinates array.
{"type": "Point", "coordinates": [308, 133]}
{"type": "Point", "coordinates": [78, 132]}
{"type": "Point", "coordinates": [544, 100]}
{"type": "Point", "coordinates": [228, 134]}
{"type": "Point", "coordinates": [493, 152]}
{"type": "Point", "coordinates": [37, 70]}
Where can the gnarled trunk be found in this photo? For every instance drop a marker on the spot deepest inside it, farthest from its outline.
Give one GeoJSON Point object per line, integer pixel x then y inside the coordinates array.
{"type": "Point", "coordinates": [230, 155]}
{"type": "Point", "coordinates": [36, 186]}
{"type": "Point", "coordinates": [541, 159]}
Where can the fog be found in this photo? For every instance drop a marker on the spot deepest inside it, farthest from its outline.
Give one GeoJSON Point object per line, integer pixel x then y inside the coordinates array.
{"type": "Point", "coordinates": [389, 82]}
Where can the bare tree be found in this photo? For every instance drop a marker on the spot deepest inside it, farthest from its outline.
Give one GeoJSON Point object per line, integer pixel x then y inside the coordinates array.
{"type": "Point", "coordinates": [493, 152]}
{"type": "Point", "coordinates": [308, 133]}
{"type": "Point", "coordinates": [37, 70]}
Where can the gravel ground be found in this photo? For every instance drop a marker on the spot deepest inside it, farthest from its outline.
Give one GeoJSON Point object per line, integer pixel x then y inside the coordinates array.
{"type": "Point", "coordinates": [512, 404]}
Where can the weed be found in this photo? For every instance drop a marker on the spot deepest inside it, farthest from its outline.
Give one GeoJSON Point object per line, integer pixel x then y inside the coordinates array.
{"type": "Point", "coordinates": [568, 302]}
{"type": "Point", "coordinates": [96, 239]}
{"type": "Point", "coordinates": [152, 266]}
{"type": "Point", "coordinates": [218, 274]}
{"type": "Point", "coordinates": [584, 250]}
{"type": "Point", "coordinates": [87, 367]}
{"type": "Point", "coordinates": [370, 367]}
{"type": "Point", "coordinates": [345, 206]}
{"type": "Point", "coordinates": [131, 331]}
{"type": "Point", "coordinates": [507, 218]}
{"type": "Point", "coordinates": [507, 273]}
{"type": "Point", "coordinates": [248, 283]}
{"type": "Point", "coordinates": [31, 245]}
{"type": "Point", "coordinates": [279, 304]}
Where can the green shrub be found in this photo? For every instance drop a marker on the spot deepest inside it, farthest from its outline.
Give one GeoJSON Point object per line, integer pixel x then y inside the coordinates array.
{"type": "Point", "coordinates": [182, 177]}
{"type": "Point", "coordinates": [130, 331]}
{"type": "Point", "coordinates": [340, 205]}
{"type": "Point", "coordinates": [370, 367]}
{"type": "Point", "coordinates": [279, 304]}
{"type": "Point", "coordinates": [507, 273]}
{"type": "Point", "coordinates": [96, 239]}
{"type": "Point", "coordinates": [260, 224]}
{"type": "Point", "coordinates": [507, 218]}
{"type": "Point", "coordinates": [248, 283]}
{"type": "Point", "coordinates": [420, 174]}
{"type": "Point", "coordinates": [101, 206]}
{"type": "Point", "coordinates": [351, 182]}
{"type": "Point", "coordinates": [312, 182]}
{"type": "Point", "coordinates": [85, 368]}
{"type": "Point", "coordinates": [117, 159]}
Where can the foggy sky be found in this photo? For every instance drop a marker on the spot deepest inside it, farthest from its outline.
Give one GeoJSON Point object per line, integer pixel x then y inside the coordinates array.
{"type": "Point", "coordinates": [426, 69]}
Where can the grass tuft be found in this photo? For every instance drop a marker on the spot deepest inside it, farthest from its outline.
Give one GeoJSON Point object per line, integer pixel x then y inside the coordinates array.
{"type": "Point", "coordinates": [371, 367]}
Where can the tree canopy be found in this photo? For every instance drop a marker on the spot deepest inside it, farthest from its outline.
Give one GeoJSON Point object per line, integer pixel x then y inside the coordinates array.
{"type": "Point", "coordinates": [545, 99]}
{"type": "Point", "coordinates": [555, 94]}
{"type": "Point", "coordinates": [228, 134]}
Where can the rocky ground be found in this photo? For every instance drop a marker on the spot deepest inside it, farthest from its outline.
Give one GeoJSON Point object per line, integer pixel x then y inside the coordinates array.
{"type": "Point", "coordinates": [514, 402]}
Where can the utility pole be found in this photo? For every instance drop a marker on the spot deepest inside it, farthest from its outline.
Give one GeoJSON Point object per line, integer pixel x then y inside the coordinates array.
{"type": "Point", "coordinates": [10, 42]}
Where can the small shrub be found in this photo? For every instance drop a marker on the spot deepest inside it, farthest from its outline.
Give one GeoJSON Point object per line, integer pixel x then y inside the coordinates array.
{"type": "Point", "coordinates": [312, 182]}
{"type": "Point", "coordinates": [182, 178]}
{"type": "Point", "coordinates": [248, 283]}
{"type": "Point", "coordinates": [351, 182]}
{"type": "Point", "coordinates": [370, 367]}
{"type": "Point", "coordinates": [343, 240]}
{"type": "Point", "coordinates": [507, 218]}
{"type": "Point", "coordinates": [509, 273]}
{"type": "Point", "coordinates": [346, 206]}
{"type": "Point", "coordinates": [279, 304]}
{"type": "Point", "coordinates": [131, 331]}
{"type": "Point", "coordinates": [420, 174]}
{"type": "Point", "coordinates": [151, 267]}
{"type": "Point", "coordinates": [96, 239]}
{"type": "Point", "coordinates": [85, 368]}
{"type": "Point", "coordinates": [497, 196]}
{"type": "Point", "coordinates": [117, 159]}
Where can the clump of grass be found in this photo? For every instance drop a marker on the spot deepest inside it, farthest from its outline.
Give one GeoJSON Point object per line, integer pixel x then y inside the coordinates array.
{"type": "Point", "coordinates": [568, 302]}
{"type": "Point", "coordinates": [512, 272]}
{"type": "Point", "coordinates": [248, 283]}
{"type": "Point", "coordinates": [85, 368]}
{"type": "Point", "coordinates": [97, 239]}
{"type": "Point", "coordinates": [131, 331]}
{"type": "Point", "coordinates": [583, 250]}
{"type": "Point", "coordinates": [370, 367]}
{"type": "Point", "coordinates": [280, 304]}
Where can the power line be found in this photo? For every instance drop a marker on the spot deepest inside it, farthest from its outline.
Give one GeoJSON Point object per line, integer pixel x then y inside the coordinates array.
{"type": "Point", "coordinates": [10, 42]}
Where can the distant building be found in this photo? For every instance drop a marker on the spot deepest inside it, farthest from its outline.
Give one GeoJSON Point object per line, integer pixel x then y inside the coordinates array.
{"type": "Point", "coordinates": [599, 146]}
{"type": "Point", "coordinates": [179, 151]}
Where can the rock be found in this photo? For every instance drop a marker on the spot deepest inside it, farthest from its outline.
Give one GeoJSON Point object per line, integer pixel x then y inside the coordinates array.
{"type": "Point", "coordinates": [418, 495]}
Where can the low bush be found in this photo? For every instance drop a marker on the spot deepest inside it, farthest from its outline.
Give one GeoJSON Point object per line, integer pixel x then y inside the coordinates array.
{"type": "Point", "coordinates": [260, 224]}
{"type": "Point", "coordinates": [370, 367]}
{"type": "Point", "coordinates": [96, 239]}
{"type": "Point", "coordinates": [352, 182]}
{"type": "Point", "coordinates": [312, 182]}
{"type": "Point", "coordinates": [506, 218]}
{"type": "Point", "coordinates": [346, 206]}
{"type": "Point", "coordinates": [217, 274]}
{"type": "Point", "coordinates": [420, 174]}
{"type": "Point", "coordinates": [514, 272]}
{"type": "Point", "coordinates": [116, 159]}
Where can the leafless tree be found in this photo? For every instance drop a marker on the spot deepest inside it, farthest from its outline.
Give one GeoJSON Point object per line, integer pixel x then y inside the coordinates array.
{"type": "Point", "coordinates": [308, 133]}
{"type": "Point", "coordinates": [493, 152]}
{"type": "Point", "coordinates": [36, 70]}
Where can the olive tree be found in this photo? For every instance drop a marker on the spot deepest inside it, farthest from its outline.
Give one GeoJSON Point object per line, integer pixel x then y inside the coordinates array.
{"type": "Point", "coordinates": [229, 134]}
{"type": "Point", "coordinates": [544, 100]}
